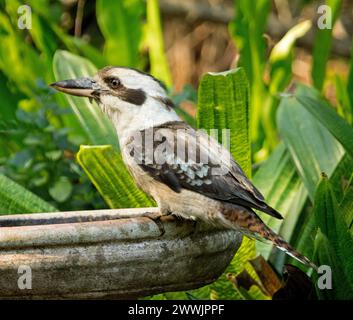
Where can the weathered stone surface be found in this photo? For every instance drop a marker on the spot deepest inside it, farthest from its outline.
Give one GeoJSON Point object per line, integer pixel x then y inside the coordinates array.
{"type": "Point", "coordinates": [109, 254]}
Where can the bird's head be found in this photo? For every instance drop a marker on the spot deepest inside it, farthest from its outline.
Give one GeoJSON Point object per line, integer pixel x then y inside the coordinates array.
{"type": "Point", "coordinates": [127, 96]}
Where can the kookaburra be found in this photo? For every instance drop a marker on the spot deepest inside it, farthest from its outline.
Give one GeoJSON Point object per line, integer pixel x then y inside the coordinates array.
{"type": "Point", "coordinates": [188, 173]}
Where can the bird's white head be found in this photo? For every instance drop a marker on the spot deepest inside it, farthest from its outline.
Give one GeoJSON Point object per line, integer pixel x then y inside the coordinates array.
{"type": "Point", "coordinates": [132, 99]}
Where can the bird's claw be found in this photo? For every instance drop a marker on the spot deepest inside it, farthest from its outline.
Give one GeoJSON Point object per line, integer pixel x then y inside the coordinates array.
{"type": "Point", "coordinates": [156, 218]}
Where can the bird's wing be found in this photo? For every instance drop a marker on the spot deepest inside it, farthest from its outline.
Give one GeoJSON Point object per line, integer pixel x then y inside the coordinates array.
{"type": "Point", "coordinates": [204, 166]}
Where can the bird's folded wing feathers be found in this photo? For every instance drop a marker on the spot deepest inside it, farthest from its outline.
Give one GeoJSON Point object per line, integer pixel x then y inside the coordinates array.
{"type": "Point", "coordinates": [219, 177]}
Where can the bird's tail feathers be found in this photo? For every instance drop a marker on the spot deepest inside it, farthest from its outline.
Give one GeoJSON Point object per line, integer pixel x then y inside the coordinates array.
{"type": "Point", "coordinates": [284, 246]}
{"type": "Point", "coordinates": [250, 224]}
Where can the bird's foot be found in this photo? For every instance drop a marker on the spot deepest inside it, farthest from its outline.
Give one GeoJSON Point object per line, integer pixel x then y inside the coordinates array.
{"type": "Point", "coordinates": [156, 218]}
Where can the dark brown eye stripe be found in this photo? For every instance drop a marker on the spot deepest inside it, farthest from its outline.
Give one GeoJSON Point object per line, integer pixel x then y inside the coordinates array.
{"type": "Point", "coordinates": [134, 96]}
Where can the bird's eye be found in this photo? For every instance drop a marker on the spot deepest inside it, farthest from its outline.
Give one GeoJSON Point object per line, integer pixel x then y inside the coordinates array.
{"type": "Point", "coordinates": [114, 83]}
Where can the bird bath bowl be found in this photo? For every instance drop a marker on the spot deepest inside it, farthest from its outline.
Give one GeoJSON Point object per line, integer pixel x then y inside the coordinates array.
{"type": "Point", "coordinates": [109, 254]}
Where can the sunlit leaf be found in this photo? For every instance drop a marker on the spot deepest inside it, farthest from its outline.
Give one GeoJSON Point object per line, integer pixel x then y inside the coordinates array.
{"type": "Point", "coordinates": [158, 59]}
{"type": "Point", "coordinates": [223, 104]}
{"type": "Point", "coordinates": [281, 56]}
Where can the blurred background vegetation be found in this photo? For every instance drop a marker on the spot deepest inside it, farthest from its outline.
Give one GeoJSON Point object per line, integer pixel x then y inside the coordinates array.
{"type": "Point", "coordinates": [285, 145]}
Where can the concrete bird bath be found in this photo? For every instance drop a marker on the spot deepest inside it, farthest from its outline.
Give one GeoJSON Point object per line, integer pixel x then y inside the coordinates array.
{"type": "Point", "coordinates": [109, 254]}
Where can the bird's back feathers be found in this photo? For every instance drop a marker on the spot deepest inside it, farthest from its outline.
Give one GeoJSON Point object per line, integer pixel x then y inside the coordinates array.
{"type": "Point", "coordinates": [230, 183]}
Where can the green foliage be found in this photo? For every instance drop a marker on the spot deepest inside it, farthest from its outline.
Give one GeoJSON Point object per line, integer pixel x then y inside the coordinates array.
{"type": "Point", "coordinates": [325, 255]}
{"type": "Point", "coordinates": [40, 154]}
{"type": "Point", "coordinates": [120, 23]}
{"type": "Point", "coordinates": [282, 55]}
{"type": "Point", "coordinates": [8, 99]}
{"type": "Point", "coordinates": [154, 41]}
{"type": "Point", "coordinates": [247, 29]}
{"type": "Point", "coordinates": [310, 145]}
{"type": "Point", "coordinates": [324, 113]}
{"type": "Point", "coordinates": [298, 135]}
{"type": "Point", "coordinates": [349, 86]}
{"type": "Point", "coordinates": [333, 244]}
{"type": "Point", "coordinates": [322, 45]}
{"type": "Point", "coordinates": [16, 199]}
{"type": "Point", "coordinates": [42, 159]}
{"type": "Point", "coordinates": [284, 190]}
{"type": "Point", "coordinates": [223, 103]}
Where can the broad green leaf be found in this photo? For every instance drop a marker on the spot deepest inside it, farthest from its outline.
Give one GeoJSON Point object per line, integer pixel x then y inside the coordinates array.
{"type": "Point", "coordinates": [94, 123]}
{"type": "Point", "coordinates": [283, 189]}
{"type": "Point", "coordinates": [15, 199]}
{"type": "Point", "coordinates": [342, 186]}
{"type": "Point", "coordinates": [312, 147]}
{"type": "Point", "coordinates": [309, 144]}
{"type": "Point", "coordinates": [330, 220]}
{"type": "Point", "coordinates": [223, 103]}
{"type": "Point", "coordinates": [322, 44]}
{"type": "Point", "coordinates": [305, 232]}
{"type": "Point", "coordinates": [154, 35]}
{"type": "Point", "coordinates": [120, 22]}
{"type": "Point", "coordinates": [327, 116]}
{"type": "Point", "coordinates": [325, 254]}
{"type": "Point", "coordinates": [106, 169]}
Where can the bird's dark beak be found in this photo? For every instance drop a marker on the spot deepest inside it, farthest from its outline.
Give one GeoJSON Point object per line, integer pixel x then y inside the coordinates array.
{"type": "Point", "coordinates": [82, 87]}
